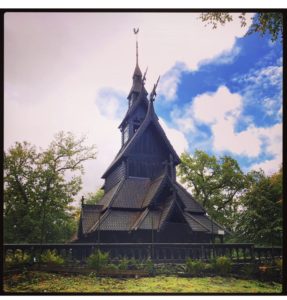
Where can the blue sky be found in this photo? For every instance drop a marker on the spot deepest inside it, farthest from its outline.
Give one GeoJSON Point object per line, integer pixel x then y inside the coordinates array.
{"type": "Point", "coordinates": [220, 91]}
{"type": "Point", "coordinates": [253, 70]}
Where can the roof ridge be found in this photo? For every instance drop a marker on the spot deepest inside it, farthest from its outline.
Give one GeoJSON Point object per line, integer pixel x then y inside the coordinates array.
{"type": "Point", "coordinates": [171, 204]}
{"type": "Point", "coordinates": [116, 192]}
{"type": "Point", "coordinates": [163, 178]}
{"type": "Point", "coordinates": [137, 223]}
{"type": "Point", "coordinates": [101, 219]}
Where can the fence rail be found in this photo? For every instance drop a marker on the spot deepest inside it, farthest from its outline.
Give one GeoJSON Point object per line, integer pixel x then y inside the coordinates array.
{"type": "Point", "coordinates": [158, 252]}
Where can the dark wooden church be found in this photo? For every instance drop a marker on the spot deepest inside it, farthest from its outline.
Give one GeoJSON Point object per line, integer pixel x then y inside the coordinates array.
{"type": "Point", "coordinates": [143, 202]}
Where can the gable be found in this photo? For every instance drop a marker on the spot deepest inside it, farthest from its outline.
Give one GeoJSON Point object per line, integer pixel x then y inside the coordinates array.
{"type": "Point", "coordinates": [150, 143]}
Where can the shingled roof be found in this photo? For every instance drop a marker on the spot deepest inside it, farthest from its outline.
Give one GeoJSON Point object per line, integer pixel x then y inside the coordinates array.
{"type": "Point", "coordinates": [202, 223]}
{"type": "Point", "coordinates": [89, 216]}
{"type": "Point", "coordinates": [126, 207]}
{"type": "Point", "coordinates": [189, 202]}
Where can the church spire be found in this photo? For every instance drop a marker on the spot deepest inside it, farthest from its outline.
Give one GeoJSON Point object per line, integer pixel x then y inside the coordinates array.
{"type": "Point", "coordinates": [137, 71]}
{"type": "Point", "coordinates": [137, 75]}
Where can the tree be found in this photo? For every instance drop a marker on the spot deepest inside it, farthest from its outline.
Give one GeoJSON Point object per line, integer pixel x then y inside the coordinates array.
{"type": "Point", "coordinates": [37, 191]}
{"type": "Point", "coordinates": [263, 23]}
{"type": "Point", "coordinates": [260, 219]}
{"type": "Point", "coordinates": [94, 198]}
{"type": "Point", "coordinates": [216, 183]}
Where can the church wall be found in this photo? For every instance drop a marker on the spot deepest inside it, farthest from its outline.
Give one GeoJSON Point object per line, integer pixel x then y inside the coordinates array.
{"type": "Point", "coordinates": [147, 156]}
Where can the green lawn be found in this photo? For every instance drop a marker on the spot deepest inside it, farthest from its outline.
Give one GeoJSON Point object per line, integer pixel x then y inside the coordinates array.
{"type": "Point", "coordinates": [47, 282]}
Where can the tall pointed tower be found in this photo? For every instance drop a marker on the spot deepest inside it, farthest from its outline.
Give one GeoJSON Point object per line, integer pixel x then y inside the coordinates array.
{"type": "Point", "coordinates": [142, 198]}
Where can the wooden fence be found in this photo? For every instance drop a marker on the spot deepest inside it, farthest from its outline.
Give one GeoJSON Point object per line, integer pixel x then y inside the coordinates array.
{"type": "Point", "coordinates": [158, 252]}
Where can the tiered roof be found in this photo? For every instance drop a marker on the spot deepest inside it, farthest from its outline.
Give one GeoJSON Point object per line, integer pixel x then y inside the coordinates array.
{"type": "Point", "coordinates": [137, 203]}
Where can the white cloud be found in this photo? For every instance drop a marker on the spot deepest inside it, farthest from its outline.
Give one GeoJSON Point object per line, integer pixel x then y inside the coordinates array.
{"type": "Point", "coordinates": [221, 110]}
{"type": "Point", "coordinates": [273, 137]}
{"type": "Point", "coordinates": [225, 57]}
{"type": "Point", "coordinates": [56, 64]}
{"type": "Point", "coordinates": [246, 142]}
{"type": "Point", "coordinates": [183, 119]}
{"type": "Point", "coordinates": [177, 138]}
{"type": "Point", "coordinates": [263, 77]}
{"type": "Point", "coordinates": [169, 82]}
{"type": "Point", "coordinates": [211, 108]}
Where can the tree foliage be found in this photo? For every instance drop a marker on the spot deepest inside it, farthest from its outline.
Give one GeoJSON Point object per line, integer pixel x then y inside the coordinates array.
{"type": "Point", "coordinates": [260, 219]}
{"type": "Point", "coordinates": [94, 198]}
{"type": "Point", "coordinates": [216, 183]}
{"type": "Point", "coordinates": [262, 23]}
{"type": "Point", "coordinates": [250, 205]}
{"type": "Point", "coordinates": [37, 191]}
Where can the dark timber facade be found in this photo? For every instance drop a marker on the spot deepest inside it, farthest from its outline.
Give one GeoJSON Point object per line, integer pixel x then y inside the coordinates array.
{"type": "Point", "coordinates": [143, 201]}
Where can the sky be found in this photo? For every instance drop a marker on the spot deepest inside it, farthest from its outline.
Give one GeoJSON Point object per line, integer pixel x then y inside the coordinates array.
{"type": "Point", "coordinates": [220, 91]}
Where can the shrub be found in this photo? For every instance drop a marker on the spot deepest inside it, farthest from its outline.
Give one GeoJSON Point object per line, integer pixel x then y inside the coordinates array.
{"type": "Point", "coordinates": [249, 270]}
{"type": "Point", "coordinates": [19, 258]}
{"type": "Point", "coordinates": [112, 267]}
{"type": "Point", "coordinates": [134, 264]}
{"type": "Point", "coordinates": [98, 260]}
{"type": "Point", "coordinates": [51, 257]}
{"type": "Point", "coordinates": [222, 265]}
{"type": "Point", "coordinates": [279, 264]}
{"type": "Point", "coordinates": [149, 266]}
{"type": "Point", "coordinates": [194, 267]}
{"type": "Point", "coordinates": [208, 268]}
{"type": "Point", "coordinates": [123, 264]}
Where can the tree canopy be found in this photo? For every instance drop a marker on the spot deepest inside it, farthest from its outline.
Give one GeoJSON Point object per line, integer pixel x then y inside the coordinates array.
{"type": "Point", "coordinates": [262, 22]}
{"type": "Point", "coordinates": [260, 218]}
{"type": "Point", "coordinates": [249, 205]}
{"type": "Point", "coordinates": [94, 198]}
{"type": "Point", "coordinates": [215, 183]}
{"type": "Point", "coordinates": [39, 187]}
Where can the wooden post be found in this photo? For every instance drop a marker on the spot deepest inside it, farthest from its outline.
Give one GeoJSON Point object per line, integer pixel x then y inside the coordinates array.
{"type": "Point", "coordinates": [152, 237]}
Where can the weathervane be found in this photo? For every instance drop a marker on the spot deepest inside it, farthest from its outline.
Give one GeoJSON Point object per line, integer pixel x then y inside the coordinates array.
{"type": "Point", "coordinates": [136, 31]}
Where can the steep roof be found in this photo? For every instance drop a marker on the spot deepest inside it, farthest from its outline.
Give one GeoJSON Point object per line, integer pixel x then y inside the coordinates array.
{"type": "Point", "coordinates": [118, 220]}
{"type": "Point", "coordinates": [131, 193]}
{"type": "Point", "coordinates": [89, 216]}
{"type": "Point", "coordinates": [153, 190]}
{"type": "Point", "coordinates": [150, 118]}
{"type": "Point", "coordinates": [108, 197]}
{"type": "Point", "coordinates": [202, 223]}
{"type": "Point", "coordinates": [189, 202]}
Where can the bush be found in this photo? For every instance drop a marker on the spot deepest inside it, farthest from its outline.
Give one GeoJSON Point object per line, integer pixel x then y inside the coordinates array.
{"type": "Point", "coordinates": [222, 265]}
{"type": "Point", "coordinates": [51, 257]}
{"type": "Point", "coordinates": [208, 268]}
{"type": "Point", "coordinates": [98, 260]}
{"type": "Point", "coordinates": [149, 266]}
{"type": "Point", "coordinates": [123, 264]}
{"type": "Point", "coordinates": [19, 258]}
{"type": "Point", "coordinates": [279, 264]}
{"type": "Point", "coordinates": [194, 267]}
{"type": "Point", "coordinates": [249, 270]}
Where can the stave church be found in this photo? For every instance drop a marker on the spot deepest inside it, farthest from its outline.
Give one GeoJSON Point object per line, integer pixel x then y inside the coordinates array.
{"type": "Point", "coordinates": [143, 202]}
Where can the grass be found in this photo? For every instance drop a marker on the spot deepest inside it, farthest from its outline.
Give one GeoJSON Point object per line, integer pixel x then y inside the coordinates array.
{"type": "Point", "coordinates": [40, 282]}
